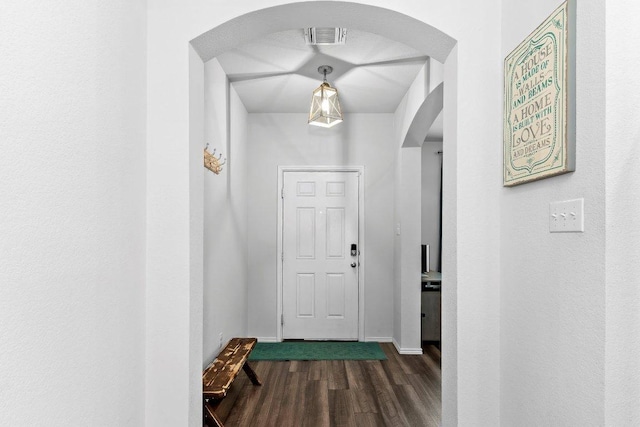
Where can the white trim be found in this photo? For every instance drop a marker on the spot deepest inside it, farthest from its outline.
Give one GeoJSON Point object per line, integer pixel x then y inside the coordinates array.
{"type": "Point", "coordinates": [267, 339]}
{"type": "Point", "coordinates": [361, 237]}
{"type": "Point", "coordinates": [395, 344]}
{"type": "Point", "coordinates": [411, 352]}
{"type": "Point", "coordinates": [378, 339]}
{"type": "Point", "coordinates": [406, 351]}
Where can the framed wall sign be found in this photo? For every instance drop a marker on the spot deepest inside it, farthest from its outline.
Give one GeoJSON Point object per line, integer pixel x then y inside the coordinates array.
{"type": "Point", "coordinates": [539, 101]}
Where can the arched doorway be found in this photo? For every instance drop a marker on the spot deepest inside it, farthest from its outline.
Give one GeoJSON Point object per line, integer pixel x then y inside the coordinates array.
{"type": "Point", "coordinates": [175, 254]}
{"type": "Point", "coordinates": [416, 34]}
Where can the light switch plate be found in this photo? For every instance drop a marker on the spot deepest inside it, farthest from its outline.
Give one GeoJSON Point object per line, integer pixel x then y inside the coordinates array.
{"type": "Point", "coordinates": [566, 216]}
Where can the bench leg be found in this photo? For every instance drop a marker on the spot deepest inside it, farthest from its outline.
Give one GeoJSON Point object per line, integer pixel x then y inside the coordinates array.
{"type": "Point", "coordinates": [251, 374]}
{"type": "Point", "coordinates": [211, 415]}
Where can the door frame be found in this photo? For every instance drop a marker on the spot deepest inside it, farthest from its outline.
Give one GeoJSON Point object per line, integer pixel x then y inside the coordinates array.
{"type": "Point", "coordinates": [280, 229]}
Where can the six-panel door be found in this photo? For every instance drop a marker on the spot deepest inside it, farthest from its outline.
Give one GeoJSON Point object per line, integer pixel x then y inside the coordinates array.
{"type": "Point", "coordinates": [320, 276]}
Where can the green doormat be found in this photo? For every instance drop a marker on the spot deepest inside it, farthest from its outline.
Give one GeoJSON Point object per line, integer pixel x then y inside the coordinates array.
{"type": "Point", "coordinates": [317, 350]}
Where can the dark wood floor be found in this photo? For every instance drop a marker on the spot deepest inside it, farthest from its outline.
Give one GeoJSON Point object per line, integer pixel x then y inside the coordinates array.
{"type": "Point", "coordinates": [400, 391]}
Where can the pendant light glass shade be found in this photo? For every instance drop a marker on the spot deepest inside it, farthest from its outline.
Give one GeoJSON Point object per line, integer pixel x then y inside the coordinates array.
{"type": "Point", "coordinates": [325, 107]}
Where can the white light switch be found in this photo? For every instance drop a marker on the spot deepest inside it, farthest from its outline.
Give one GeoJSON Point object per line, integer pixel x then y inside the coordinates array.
{"type": "Point", "coordinates": [567, 216]}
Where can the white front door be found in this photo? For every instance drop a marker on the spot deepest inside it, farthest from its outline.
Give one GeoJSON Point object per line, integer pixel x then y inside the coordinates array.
{"type": "Point", "coordinates": [320, 275]}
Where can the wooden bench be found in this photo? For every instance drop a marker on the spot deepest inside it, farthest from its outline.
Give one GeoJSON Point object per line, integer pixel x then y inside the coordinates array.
{"type": "Point", "coordinates": [218, 376]}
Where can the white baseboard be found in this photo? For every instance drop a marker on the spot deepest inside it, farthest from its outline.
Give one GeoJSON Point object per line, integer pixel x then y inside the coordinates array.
{"type": "Point", "coordinates": [378, 339]}
{"type": "Point", "coordinates": [267, 339]}
{"type": "Point", "coordinates": [407, 351]}
{"type": "Point", "coordinates": [411, 351]}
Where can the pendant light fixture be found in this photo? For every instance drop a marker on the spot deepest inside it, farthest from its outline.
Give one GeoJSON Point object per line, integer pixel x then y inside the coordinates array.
{"type": "Point", "coordinates": [325, 107]}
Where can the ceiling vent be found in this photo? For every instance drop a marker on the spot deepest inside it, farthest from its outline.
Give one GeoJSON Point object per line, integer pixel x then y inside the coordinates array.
{"type": "Point", "coordinates": [325, 36]}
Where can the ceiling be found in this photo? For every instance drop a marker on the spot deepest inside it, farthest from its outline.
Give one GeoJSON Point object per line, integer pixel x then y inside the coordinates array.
{"type": "Point", "coordinates": [277, 73]}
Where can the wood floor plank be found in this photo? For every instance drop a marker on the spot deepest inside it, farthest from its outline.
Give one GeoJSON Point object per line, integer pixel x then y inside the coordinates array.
{"type": "Point", "coordinates": [410, 364]}
{"type": "Point", "coordinates": [341, 408]}
{"type": "Point", "coordinates": [318, 370]}
{"type": "Point", "coordinates": [292, 400]}
{"type": "Point", "coordinates": [355, 374]}
{"type": "Point", "coordinates": [393, 367]}
{"type": "Point", "coordinates": [364, 401]}
{"type": "Point", "coordinates": [369, 420]}
{"type": "Point", "coordinates": [363, 394]}
{"type": "Point", "coordinates": [413, 407]}
{"type": "Point", "coordinates": [400, 391]}
{"type": "Point", "coordinates": [434, 366]}
{"type": "Point", "coordinates": [429, 395]}
{"type": "Point", "coordinates": [387, 401]}
{"type": "Point", "coordinates": [223, 408]}
{"type": "Point", "coordinates": [251, 397]}
{"type": "Point", "coordinates": [337, 375]}
{"type": "Point", "coordinates": [267, 408]}
{"type": "Point", "coordinates": [299, 366]}
{"type": "Point", "coordinates": [434, 353]}
{"type": "Point", "coordinates": [316, 409]}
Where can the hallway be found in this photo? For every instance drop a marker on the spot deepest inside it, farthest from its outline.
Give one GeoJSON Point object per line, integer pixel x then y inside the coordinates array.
{"type": "Point", "coordinates": [102, 266]}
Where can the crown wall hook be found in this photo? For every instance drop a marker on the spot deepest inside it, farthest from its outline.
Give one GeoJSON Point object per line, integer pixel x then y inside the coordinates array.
{"type": "Point", "coordinates": [213, 163]}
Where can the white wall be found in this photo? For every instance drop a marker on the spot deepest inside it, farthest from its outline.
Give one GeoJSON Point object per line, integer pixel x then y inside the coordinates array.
{"type": "Point", "coordinates": [196, 232]}
{"type": "Point", "coordinates": [436, 73]}
{"type": "Point", "coordinates": [449, 294]}
{"type": "Point", "coordinates": [72, 227]}
{"type": "Point", "coordinates": [409, 119]}
{"type": "Point", "coordinates": [407, 238]}
{"type": "Point", "coordinates": [411, 102]}
{"type": "Point", "coordinates": [471, 248]}
{"type": "Point", "coordinates": [622, 269]}
{"type": "Point", "coordinates": [431, 200]}
{"type": "Point", "coordinates": [553, 285]}
{"type": "Point", "coordinates": [397, 229]}
{"type": "Point", "coordinates": [287, 140]}
{"type": "Point", "coordinates": [225, 215]}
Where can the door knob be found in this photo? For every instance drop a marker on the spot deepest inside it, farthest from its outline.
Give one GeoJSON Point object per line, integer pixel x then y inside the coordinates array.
{"type": "Point", "coordinates": [353, 264]}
